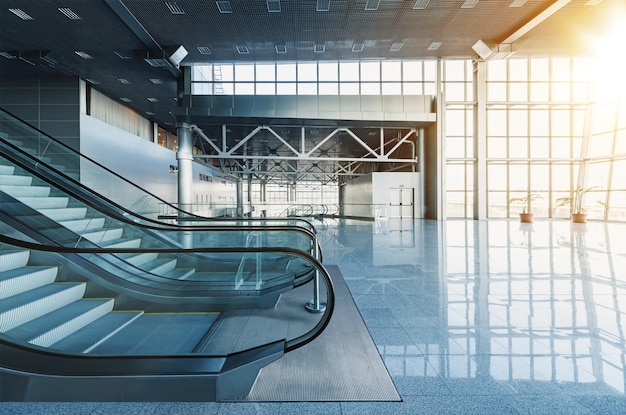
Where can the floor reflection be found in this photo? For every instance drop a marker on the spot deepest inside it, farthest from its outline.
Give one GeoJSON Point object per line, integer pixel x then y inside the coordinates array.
{"type": "Point", "coordinates": [490, 304]}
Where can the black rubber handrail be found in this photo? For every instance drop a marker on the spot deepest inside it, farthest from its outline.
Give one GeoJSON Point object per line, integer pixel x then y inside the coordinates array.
{"type": "Point", "coordinates": [289, 344]}
{"type": "Point", "coordinates": [139, 188]}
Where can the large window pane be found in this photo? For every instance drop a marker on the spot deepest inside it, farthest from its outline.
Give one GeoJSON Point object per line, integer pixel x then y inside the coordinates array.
{"type": "Point", "coordinates": [518, 122]}
{"type": "Point", "coordinates": [539, 123]}
{"type": "Point", "coordinates": [328, 71]}
{"type": "Point", "coordinates": [455, 122]}
{"type": "Point", "coordinates": [539, 177]}
{"type": "Point", "coordinates": [518, 70]}
{"type": "Point", "coordinates": [455, 147]}
{"type": "Point", "coordinates": [497, 147]}
{"type": "Point", "coordinates": [539, 147]}
{"type": "Point", "coordinates": [244, 72]}
{"type": "Point", "coordinates": [561, 177]}
{"type": "Point", "coordinates": [328, 88]}
{"type": "Point", "coordinates": [392, 71]}
{"type": "Point", "coordinates": [496, 70]}
{"type": "Point", "coordinates": [349, 88]}
{"type": "Point", "coordinates": [518, 177]}
{"type": "Point", "coordinates": [496, 122]}
{"type": "Point", "coordinates": [455, 91]}
{"type": "Point", "coordinates": [455, 176]}
{"type": "Point", "coordinates": [224, 72]}
{"type": "Point", "coordinates": [370, 71]}
{"type": "Point", "coordinates": [307, 72]}
{"type": "Point", "coordinates": [370, 88]}
{"type": "Point", "coordinates": [391, 88]}
{"type": "Point", "coordinates": [349, 71]}
{"type": "Point", "coordinates": [412, 71]}
{"type": "Point", "coordinates": [496, 177]}
{"type": "Point", "coordinates": [561, 123]}
{"type": "Point", "coordinates": [285, 72]}
{"type": "Point", "coordinates": [539, 69]}
{"type": "Point", "coordinates": [265, 72]}
{"type": "Point", "coordinates": [455, 70]}
{"type": "Point", "coordinates": [496, 91]}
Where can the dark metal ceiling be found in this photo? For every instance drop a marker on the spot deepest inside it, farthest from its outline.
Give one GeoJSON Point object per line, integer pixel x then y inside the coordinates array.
{"type": "Point", "coordinates": [112, 44]}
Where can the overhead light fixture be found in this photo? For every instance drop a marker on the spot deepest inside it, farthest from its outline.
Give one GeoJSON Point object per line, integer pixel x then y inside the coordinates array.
{"type": "Point", "coordinates": [372, 4]}
{"type": "Point", "coordinates": [124, 81]}
{"type": "Point", "coordinates": [492, 51]}
{"type": "Point", "coordinates": [164, 58]}
{"type": "Point", "coordinates": [174, 7]}
{"type": "Point", "coordinates": [83, 54]}
{"type": "Point", "coordinates": [358, 47]}
{"type": "Point", "coordinates": [8, 55]}
{"type": "Point", "coordinates": [126, 99]}
{"type": "Point", "coordinates": [421, 4]}
{"type": "Point", "coordinates": [469, 4]}
{"type": "Point", "coordinates": [21, 14]}
{"type": "Point", "coordinates": [69, 13]}
{"type": "Point", "coordinates": [435, 45]}
{"type": "Point", "coordinates": [273, 6]}
{"type": "Point", "coordinates": [243, 50]}
{"type": "Point", "coordinates": [149, 113]}
{"type": "Point", "coordinates": [224, 7]}
{"type": "Point", "coordinates": [517, 3]}
{"type": "Point", "coordinates": [281, 48]}
{"type": "Point", "coordinates": [152, 99]}
{"type": "Point", "coordinates": [176, 54]}
{"type": "Point", "coordinates": [396, 47]}
{"type": "Point", "coordinates": [593, 2]}
{"type": "Point", "coordinates": [156, 81]}
{"type": "Point", "coordinates": [204, 50]}
{"type": "Point", "coordinates": [123, 55]}
{"type": "Point", "coordinates": [323, 5]}
{"type": "Point", "coordinates": [319, 48]}
{"type": "Point", "coordinates": [35, 57]}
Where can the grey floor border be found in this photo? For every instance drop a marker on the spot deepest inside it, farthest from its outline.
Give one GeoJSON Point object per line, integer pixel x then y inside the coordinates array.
{"type": "Point", "coordinates": [343, 364]}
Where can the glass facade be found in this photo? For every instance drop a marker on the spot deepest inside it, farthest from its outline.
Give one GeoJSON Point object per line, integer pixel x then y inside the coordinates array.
{"type": "Point", "coordinates": [547, 129]}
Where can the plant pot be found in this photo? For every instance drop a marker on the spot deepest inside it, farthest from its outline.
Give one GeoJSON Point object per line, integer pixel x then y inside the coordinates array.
{"type": "Point", "coordinates": [526, 217]}
{"type": "Point", "coordinates": [579, 217]}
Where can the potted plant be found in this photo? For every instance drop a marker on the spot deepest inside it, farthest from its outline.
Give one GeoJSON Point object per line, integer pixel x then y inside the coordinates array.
{"type": "Point", "coordinates": [575, 200]}
{"type": "Point", "coordinates": [525, 215]}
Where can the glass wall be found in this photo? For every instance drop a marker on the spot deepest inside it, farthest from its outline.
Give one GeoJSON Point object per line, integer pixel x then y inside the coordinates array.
{"type": "Point", "coordinates": [316, 78]}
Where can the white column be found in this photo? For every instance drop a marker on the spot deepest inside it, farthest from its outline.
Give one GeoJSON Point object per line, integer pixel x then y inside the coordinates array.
{"type": "Point", "coordinates": [184, 155]}
{"type": "Point", "coordinates": [480, 140]}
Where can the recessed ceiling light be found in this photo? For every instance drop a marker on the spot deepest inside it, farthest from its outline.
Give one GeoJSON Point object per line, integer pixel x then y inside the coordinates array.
{"type": "Point", "coordinates": [281, 48]}
{"type": "Point", "coordinates": [358, 47]}
{"type": "Point", "coordinates": [372, 4]}
{"type": "Point", "coordinates": [319, 48]}
{"type": "Point", "coordinates": [323, 5]}
{"type": "Point", "coordinates": [204, 50]}
{"type": "Point", "coordinates": [435, 45]}
{"type": "Point", "coordinates": [174, 7]}
{"type": "Point", "coordinates": [469, 4]}
{"type": "Point", "coordinates": [149, 113]}
{"type": "Point", "coordinates": [7, 55]}
{"type": "Point", "coordinates": [21, 14]}
{"type": "Point", "coordinates": [152, 99]}
{"type": "Point", "coordinates": [396, 47]}
{"type": "Point", "coordinates": [517, 3]}
{"type": "Point", "coordinates": [124, 81]}
{"type": "Point", "coordinates": [69, 13]}
{"type": "Point", "coordinates": [123, 55]}
{"type": "Point", "coordinates": [126, 99]}
{"type": "Point", "coordinates": [273, 6]}
{"type": "Point", "coordinates": [224, 6]}
{"type": "Point", "coordinates": [421, 4]}
{"type": "Point", "coordinates": [243, 50]}
{"type": "Point", "coordinates": [156, 81]}
{"type": "Point", "coordinates": [83, 55]}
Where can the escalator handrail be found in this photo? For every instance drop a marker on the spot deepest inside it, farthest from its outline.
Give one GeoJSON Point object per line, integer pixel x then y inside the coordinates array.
{"type": "Point", "coordinates": [139, 188]}
{"type": "Point", "coordinates": [90, 198]}
{"type": "Point", "coordinates": [289, 344]}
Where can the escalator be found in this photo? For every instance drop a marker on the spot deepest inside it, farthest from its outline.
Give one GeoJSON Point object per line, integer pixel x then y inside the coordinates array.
{"type": "Point", "coordinates": [98, 303]}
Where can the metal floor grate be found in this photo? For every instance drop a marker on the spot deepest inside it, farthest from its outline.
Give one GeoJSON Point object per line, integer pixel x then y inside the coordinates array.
{"type": "Point", "coordinates": [343, 364]}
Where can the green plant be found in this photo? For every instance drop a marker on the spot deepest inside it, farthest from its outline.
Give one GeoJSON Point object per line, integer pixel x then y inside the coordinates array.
{"type": "Point", "coordinates": [524, 201]}
{"type": "Point", "coordinates": [575, 199]}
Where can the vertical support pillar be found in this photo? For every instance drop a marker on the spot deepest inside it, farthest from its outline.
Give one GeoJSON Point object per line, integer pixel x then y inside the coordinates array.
{"type": "Point", "coordinates": [184, 156]}
{"type": "Point", "coordinates": [480, 140]}
{"type": "Point", "coordinates": [441, 148]}
{"type": "Point", "coordinates": [421, 136]}
{"type": "Point", "coordinates": [239, 213]}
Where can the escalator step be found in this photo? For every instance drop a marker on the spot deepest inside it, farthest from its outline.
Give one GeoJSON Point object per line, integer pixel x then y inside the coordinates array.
{"type": "Point", "coordinates": [60, 323]}
{"type": "Point", "coordinates": [6, 169]}
{"type": "Point", "coordinates": [12, 259]}
{"type": "Point", "coordinates": [24, 279]}
{"type": "Point", "coordinates": [26, 191]}
{"type": "Point", "coordinates": [12, 180]}
{"type": "Point", "coordinates": [64, 213]}
{"type": "Point", "coordinates": [22, 308]}
{"type": "Point", "coordinates": [90, 336]}
{"type": "Point", "coordinates": [167, 333]}
{"type": "Point", "coordinates": [44, 202]}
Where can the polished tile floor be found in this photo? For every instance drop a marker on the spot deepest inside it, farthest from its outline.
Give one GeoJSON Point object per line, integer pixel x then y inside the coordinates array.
{"type": "Point", "coordinates": [470, 317]}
